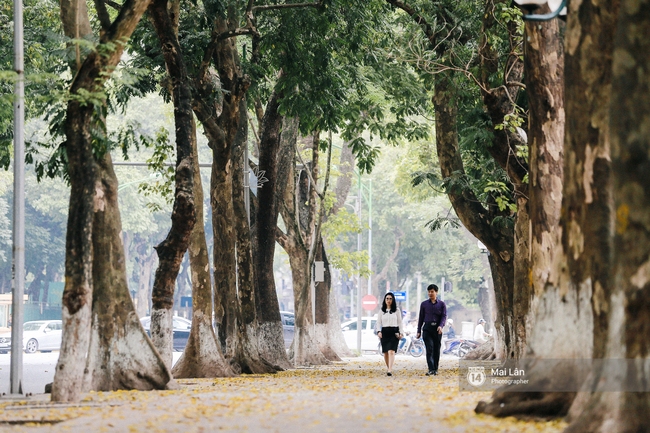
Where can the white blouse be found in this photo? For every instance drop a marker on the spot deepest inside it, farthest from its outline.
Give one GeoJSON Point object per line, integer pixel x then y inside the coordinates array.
{"type": "Point", "coordinates": [390, 319]}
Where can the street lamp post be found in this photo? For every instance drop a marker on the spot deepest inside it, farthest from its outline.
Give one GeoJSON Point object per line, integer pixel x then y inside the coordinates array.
{"type": "Point", "coordinates": [18, 250]}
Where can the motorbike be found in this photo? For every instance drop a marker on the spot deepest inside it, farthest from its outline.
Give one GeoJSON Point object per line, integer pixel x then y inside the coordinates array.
{"type": "Point", "coordinates": [461, 346]}
{"type": "Point", "coordinates": [408, 345]}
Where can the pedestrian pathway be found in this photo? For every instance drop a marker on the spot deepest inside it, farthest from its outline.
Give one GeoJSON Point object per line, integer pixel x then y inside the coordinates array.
{"type": "Point", "coordinates": [350, 396]}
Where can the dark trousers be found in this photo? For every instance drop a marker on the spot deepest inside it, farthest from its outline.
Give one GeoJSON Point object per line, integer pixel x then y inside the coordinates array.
{"type": "Point", "coordinates": [432, 341]}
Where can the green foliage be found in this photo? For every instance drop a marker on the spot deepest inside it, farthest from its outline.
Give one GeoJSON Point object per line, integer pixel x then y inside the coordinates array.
{"type": "Point", "coordinates": [500, 191]}
{"type": "Point", "coordinates": [159, 163]}
{"type": "Point", "coordinates": [448, 252]}
{"type": "Point", "coordinates": [443, 222]}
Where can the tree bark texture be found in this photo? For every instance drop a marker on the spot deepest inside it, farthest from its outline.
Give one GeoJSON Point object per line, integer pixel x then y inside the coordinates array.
{"type": "Point", "coordinates": [298, 212]}
{"type": "Point", "coordinates": [121, 356]}
{"type": "Point", "coordinates": [202, 356]}
{"type": "Point", "coordinates": [327, 328]}
{"type": "Point", "coordinates": [221, 124]}
{"type": "Point", "coordinates": [248, 357]}
{"type": "Point", "coordinates": [172, 249]}
{"type": "Point", "coordinates": [78, 290]}
{"type": "Point", "coordinates": [145, 260]}
{"type": "Point", "coordinates": [627, 295]}
{"type": "Point", "coordinates": [544, 65]}
{"type": "Point", "coordinates": [266, 219]}
{"type": "Point", "coordinates": [575, 295]}
{"type": "Point", "coordinates": [95, 268]}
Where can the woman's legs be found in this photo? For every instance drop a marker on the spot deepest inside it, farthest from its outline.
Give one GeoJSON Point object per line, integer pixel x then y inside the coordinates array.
{"type": "Point", "coordinates": [390, 355]}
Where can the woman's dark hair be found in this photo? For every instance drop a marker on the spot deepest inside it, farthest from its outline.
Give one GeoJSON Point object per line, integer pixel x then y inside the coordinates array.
{"type": "Point", "coordinates": [393, 305]}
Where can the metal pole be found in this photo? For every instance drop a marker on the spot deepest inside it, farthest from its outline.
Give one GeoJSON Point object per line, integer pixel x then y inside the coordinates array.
{"type": "Point", "coordinates": [370, 237]}
{"type": "Point", "coordinates": [359, 311]}
{"type": "Point", "coordinates": [442, 289]}
{"type": "Point", "coordinates": [18, 250]}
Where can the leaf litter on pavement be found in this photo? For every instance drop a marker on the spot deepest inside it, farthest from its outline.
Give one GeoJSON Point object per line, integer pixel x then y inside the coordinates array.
{"type": "Point", "coordinates": [350, 396]}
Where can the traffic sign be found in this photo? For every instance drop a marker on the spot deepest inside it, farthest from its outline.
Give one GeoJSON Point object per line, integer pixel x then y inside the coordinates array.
{"type": "Point", "coordinates": [400, 296]}
{"type": "Point", "coordinates": [369, 302]}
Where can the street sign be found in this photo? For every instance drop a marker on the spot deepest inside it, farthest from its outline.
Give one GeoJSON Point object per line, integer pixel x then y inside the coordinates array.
{"type": "Point", "coordinates": [369, 302]}
{"type": "Point", "coordinates": [319, 271]}
{"type": "Point", "coordinates": [400, 296]}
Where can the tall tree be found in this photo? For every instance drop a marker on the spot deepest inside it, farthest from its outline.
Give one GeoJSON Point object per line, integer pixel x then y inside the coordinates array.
{"type": "Point", "coordinates": [104, 346]}
{"type": "Point", "coordinates": [266, 219]}
{"type": "Point", "coordinates": [302, 210]}
{"type": "Point", "coordinates": [577, 294]}
{"type": "Point", "coordinates": [172, 249]}
{"type": "Point", "coordinates": [448, 30]}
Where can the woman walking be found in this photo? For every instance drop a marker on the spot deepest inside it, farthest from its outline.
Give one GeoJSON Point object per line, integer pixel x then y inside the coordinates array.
{"type": "Point", "coordinates": [389, 324]}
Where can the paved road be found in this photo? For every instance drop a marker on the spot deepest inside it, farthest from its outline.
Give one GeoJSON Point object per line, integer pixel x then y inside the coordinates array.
{"type": "Point", "coordinates": [351, 396]}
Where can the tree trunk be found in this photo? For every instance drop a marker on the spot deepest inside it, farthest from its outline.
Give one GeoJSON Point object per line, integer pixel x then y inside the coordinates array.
{"type": "Point", "coordinates": [202, 356]}
{"type": "Point", "coordinates": [475, 217]}
{"type": "Point", "coordinates": [172, 250]}
{"type": "Point", "coordinates": [248, 357]}
{"type": "Point", "coordinates": [95, 268]}
{"type": "Point", "coordinates": [298, 212]}
{"type": "Point", "coordinates": [305, 350]}
{"type": "Point", "coordinates": [145, 260]}
{"type": "Point", "coordinates": [623, 305]}
{"type": "Point", "coordinates": [270, 334]}
{"type": "Point", "coordinates": [221, 124]}
{"type": "Point", "coordinates": [327, 328]}
{"type": "Point", "coordinates": [570, 321]}
{"type": "Point", "coordinates": [544, 66]}
{"type": "Point", "coordinates": [120, 356]}
{"type": "Point", "coordinates": [78, 290]}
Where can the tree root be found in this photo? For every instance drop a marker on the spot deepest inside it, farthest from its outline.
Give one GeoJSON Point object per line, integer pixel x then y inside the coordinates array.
{"type": "Point", "coordinates": [526, 405]}
{"type": "Point", "coordinates": [483, 352]}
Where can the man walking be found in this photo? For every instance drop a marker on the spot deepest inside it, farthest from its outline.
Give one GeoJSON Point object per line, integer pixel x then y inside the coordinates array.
{"type": "Point", "coordinates": [432, 318]}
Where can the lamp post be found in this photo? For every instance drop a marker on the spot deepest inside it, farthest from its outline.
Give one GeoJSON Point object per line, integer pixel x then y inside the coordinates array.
{"type": "Point", "coordinates": [18, 250]}
{"type": "Point", "coordinates": [557, 7]}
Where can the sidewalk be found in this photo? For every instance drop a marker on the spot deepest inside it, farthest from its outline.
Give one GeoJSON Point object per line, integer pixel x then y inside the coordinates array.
{"type": "Point", "coordinates": [350, 396]}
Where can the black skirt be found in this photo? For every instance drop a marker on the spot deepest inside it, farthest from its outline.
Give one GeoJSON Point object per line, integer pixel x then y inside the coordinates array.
{"type": "Point", "coordinates": [389, 340]}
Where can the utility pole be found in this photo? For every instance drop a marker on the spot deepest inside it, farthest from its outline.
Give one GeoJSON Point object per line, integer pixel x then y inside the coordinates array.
{"type": "Point", "coordinates": [18, 250]}
{"type": "Point", "coordinates": [369, 234]}
{"type": "Point", "coordinates": [359, 295]}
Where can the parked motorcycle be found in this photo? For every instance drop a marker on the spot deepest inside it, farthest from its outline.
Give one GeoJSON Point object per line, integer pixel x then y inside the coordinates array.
{"type": "Point", "coordinates": [408, 345]}
{"type": "Point", "coordinates": [461, 347]}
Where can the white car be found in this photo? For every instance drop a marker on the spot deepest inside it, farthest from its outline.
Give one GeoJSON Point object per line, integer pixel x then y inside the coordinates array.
{"type": "Point", "coordinates": [180, 331]}
{"type": "Point", "coordinates": [369, 339]}
{"type": "Point", "coordinates": [288, 325]}
{"type": "Point", "coordinates": [43, 335]}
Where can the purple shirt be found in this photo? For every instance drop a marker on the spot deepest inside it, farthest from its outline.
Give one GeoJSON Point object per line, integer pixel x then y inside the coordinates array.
{"type": "Point", "coordinates": [435, 312]}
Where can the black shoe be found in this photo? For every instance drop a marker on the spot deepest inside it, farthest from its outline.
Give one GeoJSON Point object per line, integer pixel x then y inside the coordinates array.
{"type": "Point", "coordinates": [389, 374]}
{"type": "Point", "coordinates": [435, 372]}
{"type": "Point", "coordinates": [430, 373]}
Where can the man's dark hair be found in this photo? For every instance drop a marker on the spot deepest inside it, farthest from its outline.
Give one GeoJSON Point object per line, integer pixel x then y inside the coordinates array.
{"type": "Point", "coordinates": [393, 305]}
{"type": "Point", "coordinates": [432, 287]}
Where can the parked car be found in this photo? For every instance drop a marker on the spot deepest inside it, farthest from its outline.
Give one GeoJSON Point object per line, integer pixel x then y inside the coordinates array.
{"type": "Point", "coordinates": [288, 324]}
{"type": "Point", "coordinates": [368, 336]}
{"type": "Point", "coordinates": [43, 335]}
{"type": "Point", "coordinates": [180, 329]}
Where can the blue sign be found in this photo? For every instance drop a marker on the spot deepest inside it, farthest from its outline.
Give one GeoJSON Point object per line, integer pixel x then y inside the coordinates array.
{"type": "Point", "coordinates": [400, 296]}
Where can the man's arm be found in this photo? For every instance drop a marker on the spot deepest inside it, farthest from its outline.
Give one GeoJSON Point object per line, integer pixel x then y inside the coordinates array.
{"type": "Point", "coordinates": [420, 320]}
{"type": "Point", "coordinates": [443, 318]}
